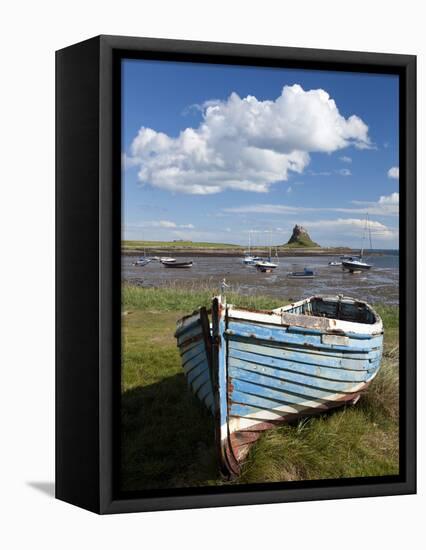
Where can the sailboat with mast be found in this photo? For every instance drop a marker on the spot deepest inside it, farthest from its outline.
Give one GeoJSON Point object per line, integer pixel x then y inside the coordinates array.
{"type": "Point", "coordinates": [356, 264]}
{"type": "Point", "coordinates": [249, 258]}
{"type": "Point", "coordinates": [266, 266]}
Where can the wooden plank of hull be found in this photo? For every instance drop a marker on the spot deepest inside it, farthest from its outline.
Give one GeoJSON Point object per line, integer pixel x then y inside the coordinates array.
{"type": "Point", "coordinates": [193, 340]}
{"type": "Point", "coordinates": [280, 334]}
{"type": "Point", "coordinates": [261, 363]}
{"type": "Point", "coordinates": [189, 362]}
{"type": "Point", "coordinates": [278, 381]}
{"type": "Point", "coordinates": [242, 436]}
{"type": "Point", "coordinates": [332, 359]}
{"type": "Point", "coordinates": [191, 348]}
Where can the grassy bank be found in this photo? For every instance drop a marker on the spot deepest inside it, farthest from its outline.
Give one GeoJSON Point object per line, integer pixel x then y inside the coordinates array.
{"type": "Point", "coordinates": [138, 245]}
{"type": "Point", "coordinates": [168, 435]}
{"type": "Point", "coordinates": [203, 248]}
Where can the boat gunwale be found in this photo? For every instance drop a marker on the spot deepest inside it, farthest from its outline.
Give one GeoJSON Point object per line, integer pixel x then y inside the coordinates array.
{"type": "Point", "coordinates": [324, 325]}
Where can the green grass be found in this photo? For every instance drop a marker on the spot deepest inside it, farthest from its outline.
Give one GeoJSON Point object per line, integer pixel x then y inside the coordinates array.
{"type": "Point", "coordinates": [303, 240]}
{"type": "Point", "coordinates": [175, 298]}
{"type": "Point", "coordinates": [138, 245]}
{"type": "Point", "coordinates": [302, 243]}
{"type": "Point", "coordinates": [168, 438]}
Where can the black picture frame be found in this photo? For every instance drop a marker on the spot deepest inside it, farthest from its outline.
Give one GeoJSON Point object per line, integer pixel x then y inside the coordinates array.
{"type": "Point", "coordinates": [88, 235]}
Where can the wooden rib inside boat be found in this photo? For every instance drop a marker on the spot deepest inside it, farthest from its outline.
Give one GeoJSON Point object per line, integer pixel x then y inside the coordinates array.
{"type": "Point", "coordinates": [257, 369]}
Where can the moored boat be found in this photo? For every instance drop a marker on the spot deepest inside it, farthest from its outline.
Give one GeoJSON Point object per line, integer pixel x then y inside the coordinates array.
{"type": "Point", "coordinates": [178, 264]}
{"type": "Point", "coordinates": [355, 265]}
{"type": "Point", "coordinates": [249, 257]}
{"type": "Point", "coordinates": [305, 274]}
{"type": "Point", "coordinates": [251, 260]}
{"type": "Point", "coordinates": [257, 369]}
{"type": "Point", "coordinates": [142, 261]}
{"type": "Point", "coordinates": [166, 260]}
{"type": "Point", "coordinates": [265, 265]}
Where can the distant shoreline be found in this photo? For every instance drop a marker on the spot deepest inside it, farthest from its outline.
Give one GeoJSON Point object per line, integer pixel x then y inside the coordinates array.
{"type": "Point", "coordinates": [239, 252]}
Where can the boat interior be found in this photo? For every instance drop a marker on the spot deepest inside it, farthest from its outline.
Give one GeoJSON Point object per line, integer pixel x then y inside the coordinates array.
{"type": "Point", "coordinates": [336, 308]}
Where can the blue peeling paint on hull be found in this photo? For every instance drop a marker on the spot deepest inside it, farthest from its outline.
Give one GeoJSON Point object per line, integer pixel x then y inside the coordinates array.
{"type": "Point", "coordinates": [195, 350]}
{"type": "Point", "coordinates": [254, 372]}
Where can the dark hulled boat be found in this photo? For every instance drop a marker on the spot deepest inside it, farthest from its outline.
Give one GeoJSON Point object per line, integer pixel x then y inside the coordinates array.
{"type": "Point", "coordinates": [178, 264]}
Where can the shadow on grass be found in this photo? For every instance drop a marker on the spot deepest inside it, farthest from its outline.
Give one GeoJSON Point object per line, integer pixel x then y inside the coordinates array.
{"type": "Point", "coordinates": [167, 437]}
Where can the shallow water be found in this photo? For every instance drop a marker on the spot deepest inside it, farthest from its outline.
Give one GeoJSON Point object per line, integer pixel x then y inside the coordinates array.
{"type": "Point", "coordinates": [379, 285]}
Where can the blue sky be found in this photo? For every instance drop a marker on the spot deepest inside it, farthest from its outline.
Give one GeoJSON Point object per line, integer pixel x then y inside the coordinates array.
{"type": "Point", "coordinates": [213, 152]}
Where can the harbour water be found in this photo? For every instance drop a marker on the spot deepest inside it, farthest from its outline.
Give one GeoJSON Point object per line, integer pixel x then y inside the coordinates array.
{"type": "Point", "coordinates": [379, 285]}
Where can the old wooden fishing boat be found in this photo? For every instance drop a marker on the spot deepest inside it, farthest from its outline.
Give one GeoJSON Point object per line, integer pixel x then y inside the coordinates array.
{"type": "Point", "coordinates": [257, 369]}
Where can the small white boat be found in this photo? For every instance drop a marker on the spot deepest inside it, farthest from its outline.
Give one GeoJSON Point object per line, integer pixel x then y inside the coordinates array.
{"type": "Point", "coordinates": [166, 260]}
{"type": "Point", "coordinates": [249, 257]}
{"type": "Point", "coordinates": [140, 262]}
{"type": "Point", "coordinates": [251, 260]}
{"type": "Point", "coordinates": [331, 264]}
{"type": "Point", "coordinates": [354, 265]}
{"type": "Point", "coordinates": [265, 266]}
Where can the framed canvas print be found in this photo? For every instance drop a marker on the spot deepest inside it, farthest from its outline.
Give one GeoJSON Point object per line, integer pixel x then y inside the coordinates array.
{"type": "Point", "coordinates": [235, 274]}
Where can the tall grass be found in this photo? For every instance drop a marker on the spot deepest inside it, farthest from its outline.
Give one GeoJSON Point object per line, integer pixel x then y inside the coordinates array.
{"type": "Point", "coordinates": [178, 298]}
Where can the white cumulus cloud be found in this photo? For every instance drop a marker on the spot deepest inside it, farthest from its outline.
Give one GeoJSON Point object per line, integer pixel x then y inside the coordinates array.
{"type": "Point", "coordinates": [393, 173]}
{"type": "Point", "coordinates": [389, 199]}
{"type": "Point", "coordinates": [386, 205]}
{"type": "Point", "coordinates": [245, 143]}
{"type": "Point", "coordinates": [353, 226]}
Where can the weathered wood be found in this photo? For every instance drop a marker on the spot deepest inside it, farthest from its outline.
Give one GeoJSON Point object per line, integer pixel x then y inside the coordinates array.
{"type": "Point", "coordinates": [257, 369]}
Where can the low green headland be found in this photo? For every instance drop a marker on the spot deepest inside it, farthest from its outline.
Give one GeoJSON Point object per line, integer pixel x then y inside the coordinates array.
{"type": "Point", "coordinates": [140, 245]}
{"type": "Point", "coordinates": [162, 248]}
{"type": "Point", "coordinates": [167, 434]}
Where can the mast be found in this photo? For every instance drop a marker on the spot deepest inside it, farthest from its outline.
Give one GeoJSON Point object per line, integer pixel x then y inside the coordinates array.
{"type": "Point", "coordinates": [270, 245]}
{"type": "Point", "coordinates": [363, 237]}
{"type": "Point", "coordinates": [369, 232]}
